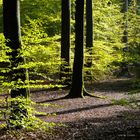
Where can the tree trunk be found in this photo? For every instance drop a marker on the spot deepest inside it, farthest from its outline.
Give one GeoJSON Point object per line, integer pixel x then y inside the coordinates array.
{"type": "Point", "coordinates": [11, 20]}
{"type": "Point", "coordinates": [89, 30]}
{"type": "Point", "coordinates": [138, 7]}
{"type": "Point", "coordinates": [125, 10]}
{"type": "Point", "coordinates": [124, 67]}
{"type": "Point", "coordinates": [77, 77]}
{"type": "Point", "coordinates": [65, 39]}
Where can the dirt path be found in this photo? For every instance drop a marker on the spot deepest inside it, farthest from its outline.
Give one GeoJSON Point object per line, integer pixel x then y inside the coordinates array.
{"type": "Point", "coordinates": [92, 118]}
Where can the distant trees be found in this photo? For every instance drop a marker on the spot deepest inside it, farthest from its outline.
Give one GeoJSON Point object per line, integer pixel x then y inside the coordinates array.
{"type": "Point", "coordinates": [89, 30]}
{"type": "Point", "coordinates": [124, 66]}
{"type": "Point", "coordinates": [11, 22]}
{"type": "Point", "coordinates": [65, 38]}
{"type": "Point", "coordinates": [125, 10]}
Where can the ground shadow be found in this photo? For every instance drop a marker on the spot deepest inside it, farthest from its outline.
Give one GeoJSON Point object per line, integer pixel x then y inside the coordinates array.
{"type": "Point", "coordinates": [125, 125]}
{"type": "Point", "coordinates": [110, 86]}
{"type": "Point", "coordinates": [53, 100]}
{"type": "Point", "coordinates": [105, 128]}
{"type": "Point", "coordinates": [79, 109]}
{"type": "Point", "coordinates": [117, 85]}
{"type": "Point", "coordinates": [85, 108]}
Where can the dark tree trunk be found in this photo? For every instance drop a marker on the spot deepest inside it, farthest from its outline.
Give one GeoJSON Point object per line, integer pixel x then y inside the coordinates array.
{"type": "Point", "coordinates": [77, 77]}
{"type": "Point", "coordinates": [138, 7]}
{"type": "Point", "coordinates": [11, 22]}
{"type": "Point", "coordinates": [124, 65]}
{"type": "Point", "coordinates": [125, 10]}
{"type": "Point", "coordinates": [65, 38]}
{"type": "Point", "coordinates": [89, 30]}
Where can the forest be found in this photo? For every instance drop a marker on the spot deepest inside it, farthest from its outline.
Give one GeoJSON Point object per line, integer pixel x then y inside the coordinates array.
{"type": "Point", "coordinates": [70, 69]}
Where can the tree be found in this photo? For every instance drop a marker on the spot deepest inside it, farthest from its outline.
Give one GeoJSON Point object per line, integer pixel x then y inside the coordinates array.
{"type": "Point", "coordinates": [124, 65]}
{"type": "Point", "coordinates": [12, 33]}
{"type": "Point", "coordinates": [138, 7]}
{"type": "Point", "coordinates": [77, 77]}
{"type": "Point", "coordinates": [89, 30]}
{"type": "Point", "coordinates": [77, 88]}
{"type": "Point", "coordinates": [65, 38]}
{"type": "Point", "coordinates": [125, 10]}
{"type": "Point", "coordinates": [11, 19]}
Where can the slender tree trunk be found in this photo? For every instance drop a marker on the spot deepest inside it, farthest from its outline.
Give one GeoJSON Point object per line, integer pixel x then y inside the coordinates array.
{"type": "Point", "coordinates": [12, 33]}
{"type": "Point", "coordinates": [125, 10]}
{"type": "Point", "coordinates": [124, 65]}
{"type": "Point", "coordinates": [138, 7]}
{"type": "Point", "coordinates": [65, 39]}
{"type": "Point", "coordinates": [89, 30]}
{"type": "Point", "coordinates": [77, 77]}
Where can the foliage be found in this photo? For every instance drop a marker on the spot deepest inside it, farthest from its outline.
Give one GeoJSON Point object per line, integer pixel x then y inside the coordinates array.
{"type": "Point", "coordinates": [107, 44]}
{"type": "Point", "coordinates": [28, 121]}
{"type": "Point", "coordinates": [41, 54]}
{"type": "Point", "coordinates": [41, 20]}
{"type": "Point", "coordinates": [131, 102]}
{"type": "Point", "coordinates": [19, 112]}
{"type": "Point", "coordinates": [46, 12]}
{"type": "Point", "coordinates": [133, 33]}
{"type": "Point", "coordinates": [41, 39]}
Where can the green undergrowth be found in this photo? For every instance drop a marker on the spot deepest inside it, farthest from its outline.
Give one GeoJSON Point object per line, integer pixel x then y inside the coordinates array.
{"type": "Point", "coordinates": [41, 36]}
{"type": "Point", "coordinates": [20, 112]}
{"type": "Point", "coordinates": [130, 102]}
{"type": "Point", "coordinates": [27, 121]}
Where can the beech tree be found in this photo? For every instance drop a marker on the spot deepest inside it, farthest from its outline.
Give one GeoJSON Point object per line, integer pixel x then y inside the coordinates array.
{"type": "Point", "coordinates": [77, 88]}
{"type": "Point", "coordinates": [65, 38]}
{"type": "Point", "coordinates": [12, 33]}
{"type": "Point", "coordinates": [89, 30]}
{"type": "Point", "coordinates": [125, 10]}
{"type": "Point", "coordinates": [77, 77]}
{"type": "Point", "coordinates": [124, 66]}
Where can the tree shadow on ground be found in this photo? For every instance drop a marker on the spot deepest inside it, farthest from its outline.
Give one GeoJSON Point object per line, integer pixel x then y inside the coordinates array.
{"type": "Point", "coordinates": [110, 86]}
{"type": "Point", "coordinates": [124, 125]}
{"type": "Point", "coordinates": [53, 100]}
{"type": "Point", "coordinates": [79, 109]}
{"type": "Point", "coordinates": [116, 85]}
{"type": "Point", "coordinates": [105, 128]}
{"type": "Point", "coordinates": [85, 108]}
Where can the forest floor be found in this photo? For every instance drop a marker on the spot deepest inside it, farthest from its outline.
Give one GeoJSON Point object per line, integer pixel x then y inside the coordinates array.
{"type": "Point", "coordinates": [90, 118]}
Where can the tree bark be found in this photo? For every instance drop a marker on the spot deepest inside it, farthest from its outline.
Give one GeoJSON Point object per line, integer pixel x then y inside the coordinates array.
{"type": "Point", "coordinates": [89, 30]}
{"type": "Point", "coordinates": [77, 77]}
{"type": "Point", "coordinates": [12, 33]}
{"type": "Point", "coordinates": [65, 39]}
{"type": "Point", "coordinates": [125, 10]}
{"type": "Point", "coordinates": [77, 88]}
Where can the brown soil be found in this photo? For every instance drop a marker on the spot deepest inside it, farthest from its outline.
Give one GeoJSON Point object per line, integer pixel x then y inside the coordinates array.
{"type": "Point", "coordinates": [90, 118]}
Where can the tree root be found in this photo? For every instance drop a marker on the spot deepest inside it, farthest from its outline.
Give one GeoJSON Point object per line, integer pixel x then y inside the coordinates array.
{"type": "Point", "coordinates": [85, 93]}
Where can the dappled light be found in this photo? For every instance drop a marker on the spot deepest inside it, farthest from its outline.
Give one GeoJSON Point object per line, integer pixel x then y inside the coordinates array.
{"type": "Point", "coordinates": [69, 70]}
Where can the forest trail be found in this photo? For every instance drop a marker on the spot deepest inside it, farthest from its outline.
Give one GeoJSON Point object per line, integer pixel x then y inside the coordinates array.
{"type": "Point", "coordinates": [89, 118]}
{"type": "Point", "coordinates": [92, 118]}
